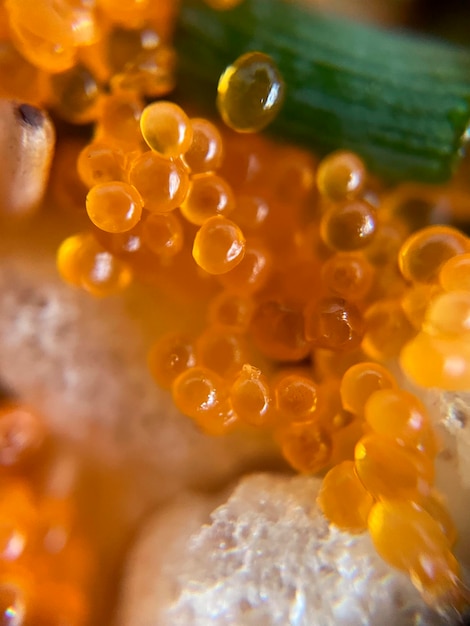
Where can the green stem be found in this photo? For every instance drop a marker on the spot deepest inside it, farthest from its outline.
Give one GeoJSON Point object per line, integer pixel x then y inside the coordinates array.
{"type": "Point", "coordinates": [401, 102]}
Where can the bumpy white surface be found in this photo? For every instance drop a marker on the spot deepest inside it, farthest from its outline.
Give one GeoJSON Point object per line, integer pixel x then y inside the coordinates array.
{"type": "Point", "coordinates": [267, 557]}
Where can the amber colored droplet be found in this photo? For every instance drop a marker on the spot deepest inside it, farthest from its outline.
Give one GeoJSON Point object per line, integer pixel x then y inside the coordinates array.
{"type": "Point", "coordinates": [230, 310]}
{"type": "Point", "coordinates": [206, 150]}
{"type": "Point", "coordinates": [448, 314]}
{"type": "Point", "coordinates": [455, 273]}
{"type": "Point", "coordinates": [208, 195]}
{"type": "Point", "coordinates": [330, 414]}
{"type": "Point", "coordinates": [21, 434]}
{"type": "Point", "coordinates": [387, 330]}
{"type": "Point", "coordinates": [203, 395]}
{"type": "Point", "coordinates": [384, 247]}
{"type": "Point", "coordinates": [333, 323]}
{"type": "Point", "coordinates": [306, 447]}
{"type": "Point", "coordinates": [250, 212]}
{"type": "Point", "coordinates": [162, 183]}
{"type": "Point", "coordinates": [150, 74]}
{"type": "Point", "coordinates": [438, 362]}
{"type": "Point", "coordinates": [119, 120]}
{"type": "Point", "coordinates": [329, 403]}
{"type": "Point", "coordinates": [100, 272]}
{"type": "Point", "coordinates": [414, 206]}
{"type": "Point", "coordinates": [221, 351]}
{"type": "Point", "coordinates": [349, 226]}
{"type": "Point", "coordinates": [219, 245]}
{"type": "Point", "coordinates": [75, 95]}
{"type": "Point", "coordinates": [163, 234]}
{"type": "Point", "coordinates": [418, 532]}
{"type": "Point", "coordinates": [341, 420]}
{"type": "Point", "coordinates": [171, 355]}
{"type": "Point", "coordinates": [199, 392]}
{"type": "Point", "coordinates": [292, 181]}
{"type": "Point", "coordinates": [182, 281]}
{"type": "Point", "coordinates": [438, 580]}
{"type": "Point", "coordinates": [400, 415]}
{"type": "Point", "coordinates": [388, 284]}
{"type": "Point", "coordinates": [220, 422]}
{"type": "Point", "coordinates": [388, 470]}
{"type": "Point", "coordinates": [250, 396]}
{"type": "Point", "coordinates": [348, 275]}
{"type": "Point", "coordinates": [252, 273]}
{"type": "Point", "coordinates": [166, 128]}
{"type": "Point", "coordinates": [422, 549]}
{"type": "Point", "coordinates": [52, 50]}
{"type": "Point", "coordinates": [343, 498]}
{"type": "Point", "coordinates": [124, 45]}
{"type": "Point", "coordinates": [341, 175]}
{"type": "Point", "coordinates": [414, 302]}
{"type": "Point", "coordinates": [360, 381]}
{"type": "Point", "coordinates": [114, 207]}
{"type": "Point", "coordinates": [296, 397]}
{"type": "Point", "coordinates": [68, 259]}
{"type": "Point", "coordinates": [244, 161]}
{"type": "Point", "coordinates": [345, 441]}
{"type": "Point", "coordinates": [128, 247]}
{"type": "Point", "coordinates": [424, 253]}
{"type": "Point", "coordinates": [330, 364]}
{"type": "Point", "coordinates": [94, 58]}
{"type": "Point", "coordinates": [63, 22]}
{"type": "Point", "coordinates": [434, 505]}
{"type": "Point", "coordinates": [278, 331]}
{"type": "Point", "coordinates": [99, 162]}
{"type": "Point", "coordinates": [250, 93]}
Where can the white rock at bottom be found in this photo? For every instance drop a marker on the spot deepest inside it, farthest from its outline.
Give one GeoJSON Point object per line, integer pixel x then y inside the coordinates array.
{"type": "Point", "coordinates": [267, 557]}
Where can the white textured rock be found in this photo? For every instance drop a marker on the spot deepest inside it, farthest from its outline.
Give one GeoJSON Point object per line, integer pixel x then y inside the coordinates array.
{"type": "Point", "coordinates": [267, 557]}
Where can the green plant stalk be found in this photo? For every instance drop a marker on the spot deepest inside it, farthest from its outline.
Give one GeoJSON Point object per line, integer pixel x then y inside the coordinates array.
{"type": "Point", "coordinates": [400, 101]}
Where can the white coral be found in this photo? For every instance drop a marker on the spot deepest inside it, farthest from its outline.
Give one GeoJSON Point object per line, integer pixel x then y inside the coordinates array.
{"type": "Point", "coordinates": [267, 558]}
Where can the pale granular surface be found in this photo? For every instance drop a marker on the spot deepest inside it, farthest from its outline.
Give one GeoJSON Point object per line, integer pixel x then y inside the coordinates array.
{"type": "Point", "coordinates": [267, 557]}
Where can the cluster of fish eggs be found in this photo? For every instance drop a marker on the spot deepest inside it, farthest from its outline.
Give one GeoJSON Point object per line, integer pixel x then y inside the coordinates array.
{"type": "Point", "coordinates": [311, 274]}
